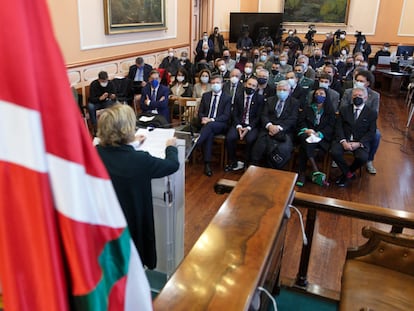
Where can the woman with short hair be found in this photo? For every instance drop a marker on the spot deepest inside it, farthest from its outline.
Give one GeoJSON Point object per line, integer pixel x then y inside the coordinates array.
{"type": "Point", "coordinates": [131, 172]}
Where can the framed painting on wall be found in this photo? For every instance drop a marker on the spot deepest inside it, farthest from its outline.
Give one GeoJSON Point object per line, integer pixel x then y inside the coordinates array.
{"type": "Point", "coordinates": [316, 11]}
{"type": "Point", "coordinates": [123, 16]}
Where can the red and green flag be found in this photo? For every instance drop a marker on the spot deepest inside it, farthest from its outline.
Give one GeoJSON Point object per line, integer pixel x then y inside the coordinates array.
{"type": "Point", "coordinates": [64, 242]}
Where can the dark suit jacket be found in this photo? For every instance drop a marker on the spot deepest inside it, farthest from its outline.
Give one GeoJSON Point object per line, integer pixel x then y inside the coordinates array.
{"type": "Point", "coordinates": [227, 86]}
{"type": "Point", "coordinates": [268, 91]}
{"type": "Point", "coordinates": [133, 70]}
{"type": "Point", "coordinates": [170, 64]}
{"type": "Point", "coordinates": [223, 109]}
{"type": "Point", "coordinates": [288, 118]}
{"type": "Point", "coordinates": [131, 173]}
{"type": "Point", "coordinates": [201, 56]}
{"type": "Point", "coordinates": [199, 47]}
{"type": "Point", "coordinates": [300, 94]}
{"type": "Point", "coordinates": [255, 111]}
{"type": "Point", "coordinates": [161, 104]}
{"type": "Point", "coordinates": [362, 130]}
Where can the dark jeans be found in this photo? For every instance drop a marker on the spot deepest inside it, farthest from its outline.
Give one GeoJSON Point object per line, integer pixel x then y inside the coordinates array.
{"type": "Point", "coordinates": [374, 145]}
{"type": "Point", "coordinates": [93, 107]}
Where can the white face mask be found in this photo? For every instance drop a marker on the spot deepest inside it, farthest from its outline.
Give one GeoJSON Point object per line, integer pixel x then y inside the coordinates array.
{"type": "Point", "coordinates": [359, 84]}
{"type": "Point", "coordinates": [324, 84]}
{"type": "Point", "coordinates": [248, 70]}
{"type": "Point", "coordinates": [292, 82]}
{"type": "Point", "coordinates": [205, 38]}
{"type": "Point", "coordinates": [386, 48]}
{"type": "Point", "coordinates": [357, 62]}
{"type": "Point", "coordinates": [283, 63]}
{"type": "Point", "coordinates": [170, 54]}
{"type": "Point", "coordinates": [234, 80]}
{"type": "Point", "coordinates": [104, 84]}
{"type": "Point", "coordinates": [205, 51]}
{"type": "Point", "coordinates": [342, 37]}
{"type": "Point", "coordinates": [237, 55]}
{"type": "Point", "coordinates": [204, 79]}
{"type": "Point", "coordinates": [180, 78]}
{"type": "Point", "coordinates": [222, 68]}
{"type": "Point", "coordinates": [343, 52]}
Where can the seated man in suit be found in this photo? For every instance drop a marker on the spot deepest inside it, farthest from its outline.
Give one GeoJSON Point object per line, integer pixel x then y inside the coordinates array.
{"type": "Point", "coordinates": [154, 97]}
{"type": "Point", "coordinates": [264, 88]}
{"type": "Point", "coordinates": [233, 86]}
{"type": "Point", "coordinates": [278, 124]}
{"type": "Point", "coordinates": [296, 91]}
{"type": "Point", "coordinates": [139, 74]}
{"type": "Point", "coordinates": [101, 95]}
{"type": "Point", "coordinates": [246, 115]}
{"type": "Point", "coordinates": [354, 131]}
{"type": "Point", "coordinates": [170, 63]}
{"type": "Point", "coordinates": [213, 114]}
{"type": "Point", "coordinates": [365, 78]}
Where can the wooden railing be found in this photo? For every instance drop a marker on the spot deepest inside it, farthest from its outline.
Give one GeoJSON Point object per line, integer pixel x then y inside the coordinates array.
{"type": "Point", "coordinates": [240, 250]}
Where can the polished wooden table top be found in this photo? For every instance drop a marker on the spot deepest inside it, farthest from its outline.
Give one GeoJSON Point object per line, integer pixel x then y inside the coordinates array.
{"type": "Point", "coordinates": [222, 270]}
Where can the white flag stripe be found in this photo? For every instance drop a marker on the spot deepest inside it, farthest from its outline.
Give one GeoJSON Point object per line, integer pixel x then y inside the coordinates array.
{"type": "Point", "coordinates": [21, 137]}
{"type": "Point", "coordinates": [137, 286]}
{"type": "Point", "coordinates": [82, 197]}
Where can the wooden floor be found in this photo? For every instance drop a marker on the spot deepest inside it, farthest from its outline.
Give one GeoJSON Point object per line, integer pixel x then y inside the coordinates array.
{"type": "Point", "coordinates": [392, 187]}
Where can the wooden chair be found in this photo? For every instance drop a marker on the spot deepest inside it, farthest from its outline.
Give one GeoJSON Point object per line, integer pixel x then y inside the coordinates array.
{"type": "Point", "coordinates": [187, 109]}
{"type": "Point", "coordinates": [410, 102]}
{"type": "Point", "coordinates": [379, 275]}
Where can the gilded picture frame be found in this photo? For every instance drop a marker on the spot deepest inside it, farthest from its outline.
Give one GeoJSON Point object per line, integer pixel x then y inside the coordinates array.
{"type": "Point", "coordinates": [123, 16]}
{"type": "Point", "coordinates": [328, 12]}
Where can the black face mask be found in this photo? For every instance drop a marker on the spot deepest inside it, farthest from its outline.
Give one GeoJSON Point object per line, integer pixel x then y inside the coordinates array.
{"type": "Point", "coordinates": [262, 80]}
{"type": "Point", "coordinates": [358, 101]}
{"type": "Point", "coordinates": [249, 90]}
{"type": "Point", "coordinates": [349, 65]}
{"type": "Point", "coordinates": [256, 56]}
{"type": "Point", "coordinates": [275, 72]}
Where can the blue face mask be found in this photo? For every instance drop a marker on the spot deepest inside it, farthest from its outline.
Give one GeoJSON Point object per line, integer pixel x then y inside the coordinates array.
{"type": "Point", "coordinates": [320, 99]}
{"type": "Point", "coordinates": [154, 83]}
{"type": "Point", "coordinates": [282, 95]}
{"type": "Point", "coordinates": [216, 87]}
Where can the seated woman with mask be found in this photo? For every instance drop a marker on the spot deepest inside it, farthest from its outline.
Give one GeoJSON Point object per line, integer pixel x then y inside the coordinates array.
{"type": "Point", "coordinates": [316, 126]}
{"type": "Point", "coordinates": [131, 172]}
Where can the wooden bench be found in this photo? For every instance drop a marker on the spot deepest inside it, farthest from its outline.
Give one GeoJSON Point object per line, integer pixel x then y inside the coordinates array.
{"type": "Point", "coordinates": [379, 275]}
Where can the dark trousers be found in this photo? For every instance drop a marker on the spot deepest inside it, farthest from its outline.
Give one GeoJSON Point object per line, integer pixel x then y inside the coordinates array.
{"type": "Point", "coordinates": [231, 143]}
{"type": "Point", "coordinates": [206, 139]}
{"type": "Point", "coordinates": [261, 149]}
{"type": "Point", "coordinates": [360, 157]}
{"type": "Point", "coordinates": [306, 151]}
{"type": "Point", "coordinates": [93, 107]}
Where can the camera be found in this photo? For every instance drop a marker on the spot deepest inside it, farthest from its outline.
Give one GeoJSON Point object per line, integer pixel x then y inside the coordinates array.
{"type": "Point", "coordinates": [359, 36]}
{"type": "Point", "coordinates": [310, 34]}
{"type": "Point", "coordinates": [338, 33]}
